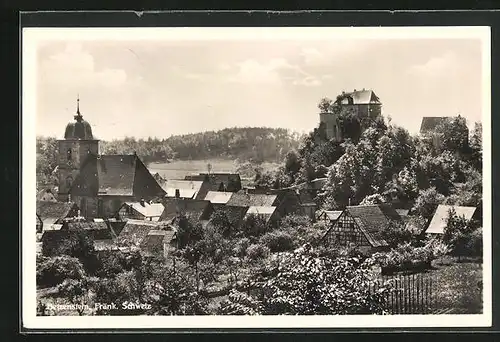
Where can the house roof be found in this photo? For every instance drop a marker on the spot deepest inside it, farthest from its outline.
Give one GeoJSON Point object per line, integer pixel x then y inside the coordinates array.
{"type": "Point", "coordinates": [187, 188]}
{"type": "Point", "coordinates": [332, 215]}
{"type": "Point", "coordinates": [97, 230]}
{"type": "Point", "coordinates": [199, 208]}
{"type": "Point", "coordinates": [152, 244]}
{"type": "Point", "coordinates": [235, 214]}
{"type": "Point", "coordinates": [365, 96]}
{"type": "Point", "coordinates": [219, 197]}
{"type": "Point", "coordinates": [105, 245]}
{"type": "Point", "coordinates": [439, 220]}
{"type": "Point", "coordinates": [372, 219]}
{"type": "Point", "coordinates": [402, 212]}
{"type": "Point", "coordinates": [135, 230]}
{"type": "Point", "coordinates": [55, 210]}
{"type": "Point", "coordinates": [113, 175]}
{"type": "Point", "coordinates": [266, 212]}
{"type": "Point", "coordinates": [242, 199]}
{"type": "Point", "coordinates": [41, 195]}
{"type": "Point", "coordinates": [429, 123]}
{"type": "Point", "coordinates": [215, 179]}
{"type": "Point", "coordinates": [147, 209]}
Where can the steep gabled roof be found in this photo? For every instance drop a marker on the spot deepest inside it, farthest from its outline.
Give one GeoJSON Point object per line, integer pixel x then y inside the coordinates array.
{"type": "Point", "coordinates": [242, 199]}
{"type": "Point", "coordinates": [231, 181]}
{"type": "Point", "coordinates": [201, 209]}
{"type": "Point", "coordinates": [114, 175]}
{"type": "Point", "coordinates": [55, 210]}
{"type": "Point", "coordinates": [146, 209]}
{"type": "Point", "coordinates": [332, 215]}
{"type": "Point", "coordinates": [97, 230]}
{"type": "Point", "coordinates": [46, 194]}
{"type": "Point", "coordinates": [439, 220]}
{"type": "Point", "coordinates": [429, 123]}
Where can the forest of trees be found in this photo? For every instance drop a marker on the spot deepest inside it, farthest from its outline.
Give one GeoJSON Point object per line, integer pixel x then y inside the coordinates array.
{"type": "Point", "coordinates": [254, 144]}
{"type": "Point", "coordinates": [384, 163]}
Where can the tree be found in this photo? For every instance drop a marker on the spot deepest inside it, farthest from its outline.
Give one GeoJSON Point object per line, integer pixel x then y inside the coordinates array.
{"type": "Point", "coordinates": [51, 271]}
{"type": "Point", "coordinates": [76, 292]}
{"type": "Point", "coordinates": [427, 202]}
{"type": "Point", "coordinates": [476, 144]}
{"type": "Point", "coordinates": [189, 230]}
{"type": "Point", "coordinates": [454, 135]}
{"type": "Point", "coordinates": [458, 234]}
{"type": "Point", "coordinates": [308, 284]}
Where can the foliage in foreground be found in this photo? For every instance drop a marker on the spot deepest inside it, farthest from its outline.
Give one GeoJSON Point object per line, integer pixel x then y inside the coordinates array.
{"type": "Point", "coordinates": [308, 284]}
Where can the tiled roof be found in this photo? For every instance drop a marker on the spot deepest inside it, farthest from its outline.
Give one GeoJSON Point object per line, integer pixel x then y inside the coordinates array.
{"type": "Point", "coordinates": [219, 197]}
{"type": "Point", "coordinates": [114, 175]}
{"type": "Point", "coordinates": [147, 209]}
{"type": "Point", "coordinates": [97, 230]}
{"type": "Point", "coordinates": [134, 231]}
{"type": "Point", "coordinates": [173, 206]}
{"type": "Point", "coordinates": [152, 244]}
{"type": "Point", "coordinates": [429, 123]}
{"type": "Point", "coordinates": [46, 195]}
{"type": "Point", "coordinates": [235, 214]}
{"type": "Point", "coordinates": [55, 210]}
{"type": "Point", "coordinates": [243, 199]}
{"type": "Point", "coordinates": [402, 212]}
{"type": "Point", "coordinates": [362, 97]}
{"type": "Point", "coordinates": [439, 220]}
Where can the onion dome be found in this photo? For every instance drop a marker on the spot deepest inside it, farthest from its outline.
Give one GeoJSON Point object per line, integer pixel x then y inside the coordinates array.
{"type": "Point", "coordinates": [78, 129]}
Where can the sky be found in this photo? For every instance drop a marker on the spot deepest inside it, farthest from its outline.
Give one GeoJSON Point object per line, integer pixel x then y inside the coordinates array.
{"type": "Point", "coordinates": [143, 88]}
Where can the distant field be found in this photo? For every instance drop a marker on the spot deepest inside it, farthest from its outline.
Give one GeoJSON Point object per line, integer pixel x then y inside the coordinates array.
{"type": "Point", "coordinates": [180, 168]}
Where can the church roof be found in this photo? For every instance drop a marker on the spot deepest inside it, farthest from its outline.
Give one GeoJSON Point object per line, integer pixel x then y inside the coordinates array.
{"type": "Point", "coordinates": [78, 129]}
{"type": "Point", "coordinates": [429, 123]}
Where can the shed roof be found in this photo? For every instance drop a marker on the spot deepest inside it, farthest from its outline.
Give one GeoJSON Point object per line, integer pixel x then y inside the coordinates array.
{"type": "Point", "coordinates": [219, 197]}
{"type": "Point", "coordinates": [147, 209]}
{"type": "Point", "coordinates": [439, 220]}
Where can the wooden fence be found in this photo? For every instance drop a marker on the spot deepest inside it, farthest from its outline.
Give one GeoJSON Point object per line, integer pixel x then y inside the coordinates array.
{"type": "Point", "coordinates": [410, 293]}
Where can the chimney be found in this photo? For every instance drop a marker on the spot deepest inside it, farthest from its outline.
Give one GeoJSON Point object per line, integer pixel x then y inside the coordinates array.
{"type": "Point", "coordinates": [142, 202]}
{"type": "Point", "coordinates": [177, 193]}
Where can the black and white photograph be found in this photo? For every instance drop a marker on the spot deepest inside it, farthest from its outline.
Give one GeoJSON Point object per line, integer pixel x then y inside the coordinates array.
{"type": "Point", "coordinates": [256, 177]}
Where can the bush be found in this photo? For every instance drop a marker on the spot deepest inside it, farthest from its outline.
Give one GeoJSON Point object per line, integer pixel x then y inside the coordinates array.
{"type": "Point", "coordinates": [278, 241]}
{"type": "Point", "coordinates": [54, 270]}
{"type": "Point", "coordinates": [407, 257]}
{"type": "Point", "coordinates": [475, 244]}
{"type": "Point", "coordinates": [257, 251]}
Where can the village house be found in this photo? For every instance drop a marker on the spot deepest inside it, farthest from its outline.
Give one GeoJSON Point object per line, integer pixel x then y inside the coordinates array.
{"type": "Point", "coordinates": [192, 189]}
{"type": "Point", "coordinates": [134, 231]}
{"type": "Point", "coordinates": [51, 215]}
{"type": "Point", "coordinates": [100, 184]}
{"type": "Point", "coordinates": [440, 219]}
{"type": "Point", "coordinates": [363, 103]}
{"type": "Point", "coordinates": [269, 215]}
{"type": "Point", "coordinates": [46, 195]}
{"type": "Point", "coordinates": [286, 201]}
{"type": "Point", "coordinates": [329, 216]}
{"type": "Point", "coordinates": [218, 198]}
{"type": "Point", "coordinates": [158, 244]}
{"type": "Point", "coordinates": [141, 210]}
{"type": "Point", "coordinates": [199, 209]}
{"type": "Point", "coordinates": [221, 181]}
{"type": "Point", "coordinates": [361, 226]}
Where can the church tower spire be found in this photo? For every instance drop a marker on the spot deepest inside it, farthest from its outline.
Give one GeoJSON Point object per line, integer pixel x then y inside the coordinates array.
{"type": "Point", "coordinates": [78, 116]}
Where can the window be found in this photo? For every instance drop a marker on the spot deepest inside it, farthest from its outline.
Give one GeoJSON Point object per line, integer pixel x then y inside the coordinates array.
{"type": "Point", "coordinates": [69, 181]}
{"type": "Point", "coordinates": [100, 208]}
{"type": "Point", "coordinates": [69, 152]}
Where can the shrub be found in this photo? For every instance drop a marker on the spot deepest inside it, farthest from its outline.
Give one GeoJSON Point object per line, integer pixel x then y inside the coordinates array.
{"type": "Point", "coordinates": [257, 251]}
{"type": "Point", "coordinates": [278, 241]}
{"type": "Point", "coordinates": [475, 244]}
{"type": "Point", "coordinates": [54, 270]}
{"type": "Point", "coordinates": [458, 234]}
{"type": "Point", "coordinates": [407, 257]}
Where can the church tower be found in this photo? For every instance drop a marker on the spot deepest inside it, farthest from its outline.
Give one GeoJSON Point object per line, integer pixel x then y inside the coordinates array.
{"type": "Point", "coordinates": [77, 145]}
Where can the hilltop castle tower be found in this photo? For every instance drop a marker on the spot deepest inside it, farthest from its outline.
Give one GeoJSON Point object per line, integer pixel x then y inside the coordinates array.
{"type": "Point", "coordinates": [77, 145]}
{"type": "Point", "coordinates": [363, 103]}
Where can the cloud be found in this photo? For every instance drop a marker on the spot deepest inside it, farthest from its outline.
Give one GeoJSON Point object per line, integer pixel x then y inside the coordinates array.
{"type": "Point", "coordinates": [437, 66]}
{"type": "Point", "coordinates": [254, 72]}
{"type": "Point", "coordinates": [308, 81]}
{"type": "Point", "coordinates": [75, 66]}
{"type": "Point", "coordinates": [329, 52]}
